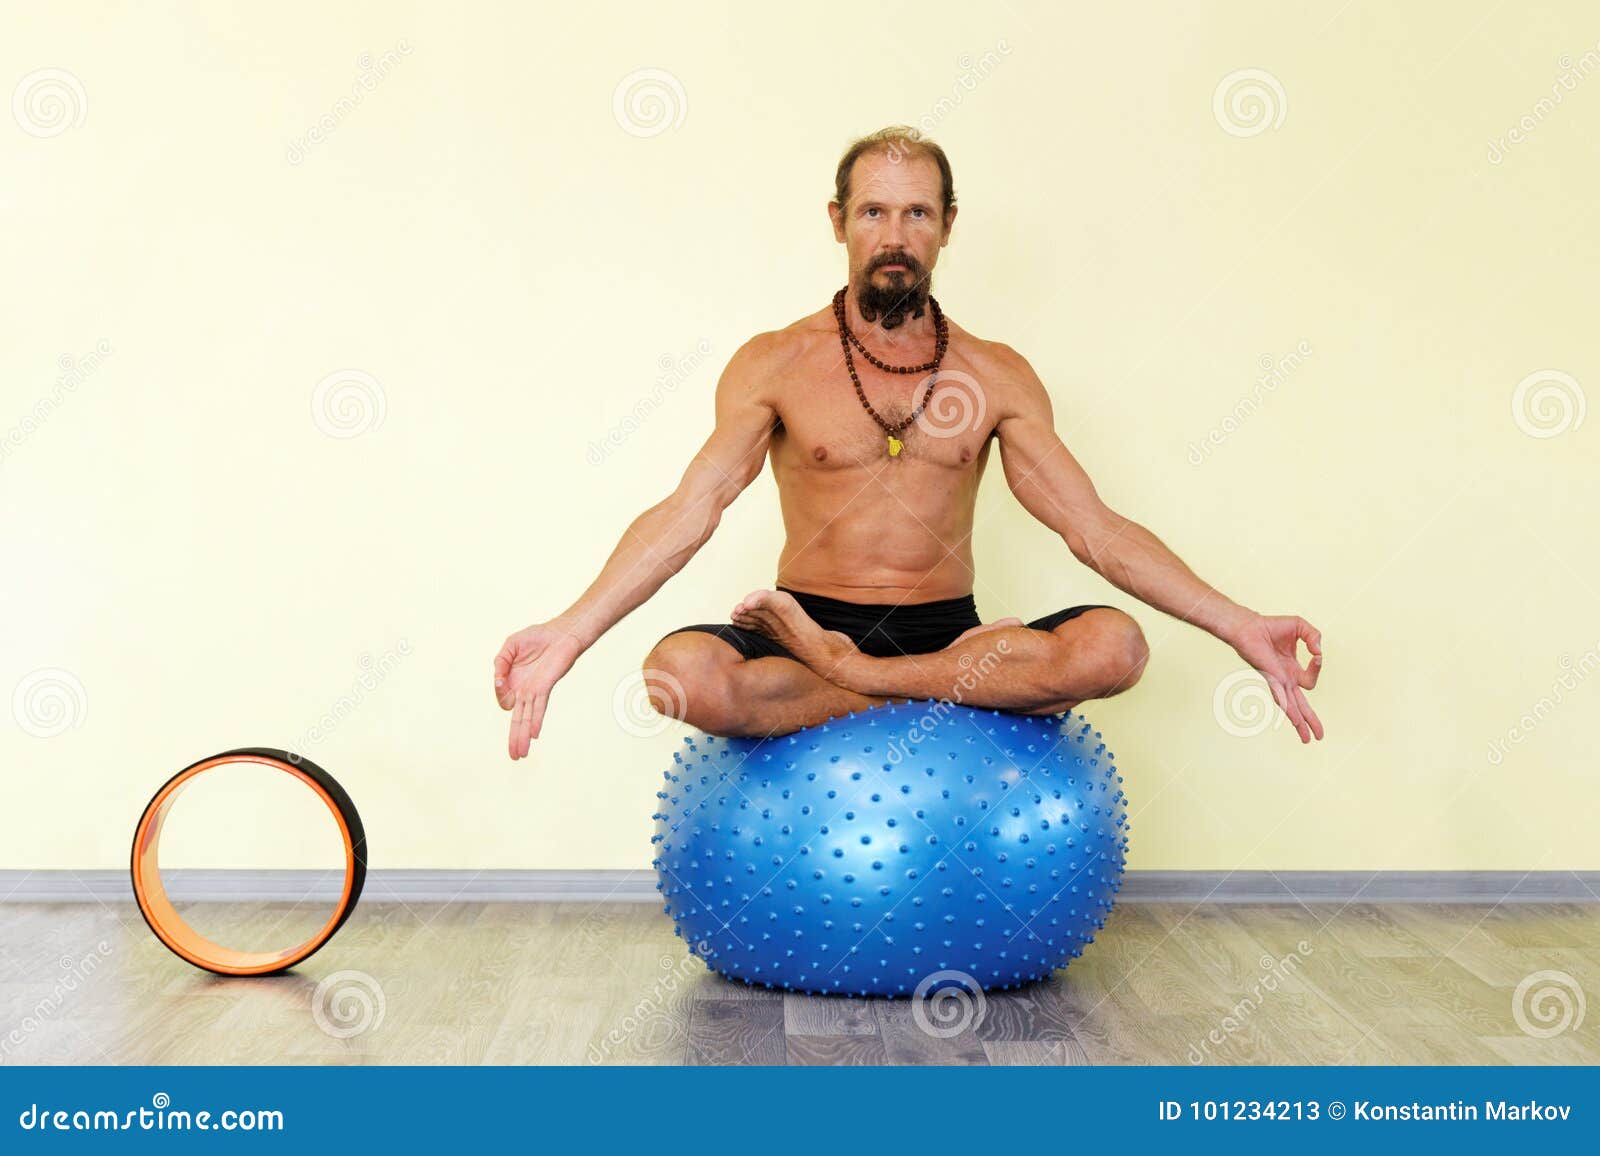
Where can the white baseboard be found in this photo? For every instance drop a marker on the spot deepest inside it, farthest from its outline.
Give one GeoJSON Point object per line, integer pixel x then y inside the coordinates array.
{"type": "Point", "coordinates": [511, 886]}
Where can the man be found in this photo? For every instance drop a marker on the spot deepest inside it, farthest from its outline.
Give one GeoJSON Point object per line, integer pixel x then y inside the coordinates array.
{"type": "Point", "coordinates": [878, 413]}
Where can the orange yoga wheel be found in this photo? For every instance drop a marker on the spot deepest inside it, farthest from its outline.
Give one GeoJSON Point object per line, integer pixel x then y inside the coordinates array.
{"type": "Point", "coordinates": [184, 940]}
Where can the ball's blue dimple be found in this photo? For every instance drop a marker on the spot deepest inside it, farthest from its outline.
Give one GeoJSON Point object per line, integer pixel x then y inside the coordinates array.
{"type": "Point", "coordinates": [1013, 895]}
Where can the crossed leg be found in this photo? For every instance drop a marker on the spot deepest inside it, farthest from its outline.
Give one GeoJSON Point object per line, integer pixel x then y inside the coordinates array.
{"type": "Point", "coordinates": [703, 680]}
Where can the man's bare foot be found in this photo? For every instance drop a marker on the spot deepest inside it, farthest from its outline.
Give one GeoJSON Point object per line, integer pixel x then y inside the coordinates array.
{"type": "Point", "coordinates": [981, 627]}
{"type": "Point", "coordinates": [777, 615]}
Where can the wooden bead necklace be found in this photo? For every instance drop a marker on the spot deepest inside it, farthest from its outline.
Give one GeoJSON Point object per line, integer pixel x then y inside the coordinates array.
{"type": "Point", "coordinates": [941, 329]}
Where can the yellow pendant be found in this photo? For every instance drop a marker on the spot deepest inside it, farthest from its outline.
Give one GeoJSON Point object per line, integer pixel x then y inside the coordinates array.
{"type": "Point", "coordinates": [895, 446]}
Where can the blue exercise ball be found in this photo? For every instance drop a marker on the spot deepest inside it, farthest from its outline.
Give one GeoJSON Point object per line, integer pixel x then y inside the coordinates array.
{"type": "Point", "coordinates": [893, 849]}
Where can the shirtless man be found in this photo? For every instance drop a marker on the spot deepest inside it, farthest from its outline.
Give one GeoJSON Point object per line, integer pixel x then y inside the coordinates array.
{"type": "Point", "coordinates": [873, 600]}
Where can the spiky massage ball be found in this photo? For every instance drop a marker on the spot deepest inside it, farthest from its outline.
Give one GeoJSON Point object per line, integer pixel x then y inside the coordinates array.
{"type": "Point", "coordinates": [900, 845]}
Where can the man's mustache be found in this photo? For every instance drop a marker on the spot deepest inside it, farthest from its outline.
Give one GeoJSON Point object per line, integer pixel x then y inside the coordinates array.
{"type": "Point", "coordinates": [910, 262]}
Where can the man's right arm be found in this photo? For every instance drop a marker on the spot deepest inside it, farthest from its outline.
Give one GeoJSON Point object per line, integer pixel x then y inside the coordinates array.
{"type": "Point", "coordinates": [660, 541]}
{"type": "Point", "coordinates": [655, 546]}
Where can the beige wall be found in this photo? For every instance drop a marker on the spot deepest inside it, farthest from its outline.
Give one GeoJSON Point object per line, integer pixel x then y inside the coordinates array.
{"type": "Point", "coordinates": [209, 565]}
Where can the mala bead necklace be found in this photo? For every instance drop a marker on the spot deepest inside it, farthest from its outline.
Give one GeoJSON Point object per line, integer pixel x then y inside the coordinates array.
{"type": "Point", "coordinates": [847, 339]}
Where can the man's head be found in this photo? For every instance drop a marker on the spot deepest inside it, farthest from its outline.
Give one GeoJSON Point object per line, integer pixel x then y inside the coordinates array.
{"type": "Point", "coordinates": [894, 202]}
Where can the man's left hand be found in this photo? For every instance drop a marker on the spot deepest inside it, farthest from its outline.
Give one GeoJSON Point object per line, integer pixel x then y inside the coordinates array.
{"type": "Point", "coordinates": [1270, 643]}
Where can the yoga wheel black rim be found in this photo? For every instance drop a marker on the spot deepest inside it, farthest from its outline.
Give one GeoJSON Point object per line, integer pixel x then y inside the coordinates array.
{"type": "Point", "coordinates": [182, 939]}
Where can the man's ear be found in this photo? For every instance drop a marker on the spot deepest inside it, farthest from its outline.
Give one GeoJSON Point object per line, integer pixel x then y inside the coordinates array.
{"type": "Point", "coordinates": [836, 215]}
{"type": "Point", "coordinates": [949, 223]}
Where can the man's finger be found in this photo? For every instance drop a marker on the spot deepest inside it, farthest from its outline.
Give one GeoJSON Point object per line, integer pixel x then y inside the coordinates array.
{"type": "Point", "coordinates": [1289, 707]}
{"type": "Point", "coordinates": [1313, 640]}
{"type": "Point", "coordinates": [1279, 697]}
{"type": "Point", "coordinates": [502, 676]}
{"type": "Point", "coordinates": [1312, 635]}
{"type": "Point", "coordinates": [514, 731]}
{"type": "Point", "coordinates": [1311, 715]}
{"type": "Point", "coordinates": [523, 727]}
{"type": "Point", "coordinates": [537, 721]}
{"type": "Point", "coordinates": [503, 692]}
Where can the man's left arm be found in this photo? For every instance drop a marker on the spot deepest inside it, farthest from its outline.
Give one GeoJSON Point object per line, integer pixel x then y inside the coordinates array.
{"type": "Point", "coordinates": [1054, 488]}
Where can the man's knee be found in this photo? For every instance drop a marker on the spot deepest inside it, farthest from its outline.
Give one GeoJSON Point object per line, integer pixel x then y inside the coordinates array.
{"type": "Point", "coordinates": [688, 677]}
{"type": "Point", "coordinates": [1108, 650]}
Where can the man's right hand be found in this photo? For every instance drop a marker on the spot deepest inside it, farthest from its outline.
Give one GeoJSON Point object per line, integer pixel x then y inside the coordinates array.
{"type": "Point", "coordinates": [656, 544]}
{"type": "Point", "coordinates": [528, 665]}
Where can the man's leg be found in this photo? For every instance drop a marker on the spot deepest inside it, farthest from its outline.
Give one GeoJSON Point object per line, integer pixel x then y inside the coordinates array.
{"type": "Point", "coordinates": [1094, 653]}
{"type": "Point", "coordinates": [706, 682]}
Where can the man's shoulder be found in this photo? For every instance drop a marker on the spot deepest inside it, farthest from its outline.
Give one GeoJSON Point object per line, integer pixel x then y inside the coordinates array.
{"type": "Point", "coordinates": [1004, 373]}
{"type": "Point", "coordinates": [760, 367]}
{"type": "Point", "coordinates": [1010, 386]}
{"type": "Point", "coordinates": [799, 333]}
{"type": "Point", "coordinates": [995, 357]}
{"type": "Point", "coordinates": [804, 332]}
{"type": "Point", "coordinates": [774, 347]}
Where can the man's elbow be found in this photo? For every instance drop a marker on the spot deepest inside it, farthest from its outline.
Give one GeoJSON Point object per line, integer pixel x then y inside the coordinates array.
{"type": "Point", "coordinates": [1078, 543]}
{"type": "Point", "coordinates": [696, 513]}
{"type": "Point", "coordinates": [1089, 537]}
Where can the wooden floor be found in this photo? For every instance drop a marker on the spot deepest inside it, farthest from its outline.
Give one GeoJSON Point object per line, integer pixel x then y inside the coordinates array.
{"type": "Point", "coordinates": [504, 983]}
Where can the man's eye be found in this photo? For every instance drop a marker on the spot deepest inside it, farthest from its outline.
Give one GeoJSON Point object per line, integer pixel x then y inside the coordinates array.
{"type": "Point", "coordinates": [870, 212]}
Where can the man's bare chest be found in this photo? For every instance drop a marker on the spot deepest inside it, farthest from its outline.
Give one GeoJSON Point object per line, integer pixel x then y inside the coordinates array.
{"type": "Point", "coordinates": [823, 423]}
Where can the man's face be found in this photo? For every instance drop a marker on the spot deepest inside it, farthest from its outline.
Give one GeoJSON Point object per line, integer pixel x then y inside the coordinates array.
{"type": "Point", "coordinates": [893, 228]}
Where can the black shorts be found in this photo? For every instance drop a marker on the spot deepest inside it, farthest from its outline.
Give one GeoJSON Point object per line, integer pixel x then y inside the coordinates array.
{"type": "Point", "coordinates": [878, 629]}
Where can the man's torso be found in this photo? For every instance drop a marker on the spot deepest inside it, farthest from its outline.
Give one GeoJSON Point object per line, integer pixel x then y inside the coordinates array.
{"type": "Point", "coordinates": [862, 525]}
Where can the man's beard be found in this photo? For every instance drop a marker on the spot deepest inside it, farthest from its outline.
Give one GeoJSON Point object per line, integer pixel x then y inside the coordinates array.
{"type": "Point", "coordinates": [906, 293]}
